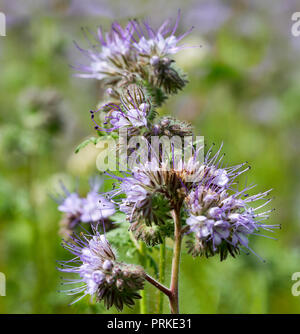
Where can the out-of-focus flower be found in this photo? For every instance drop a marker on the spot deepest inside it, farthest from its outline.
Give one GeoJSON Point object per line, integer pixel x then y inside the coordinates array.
{"type": "Point", "coordinates": [208, 15]}
{"type": "Point", "coordinates": [91, 209]}
{"type": "Point", "coordinates": [101, 275]}
{"type": "Point", "coordinates": [71, 205]}
{"type": "Point", "coordinates": [96, 207]}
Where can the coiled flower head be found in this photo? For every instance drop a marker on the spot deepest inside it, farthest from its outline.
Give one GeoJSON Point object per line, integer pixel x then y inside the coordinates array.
{"type": "Point", "coordinates": [155, 45]}
{"type": "Point", "coordinates": [101, 275]}
{"type": "Point", "coordinates": [133, 112]}
{"type": "Point", "coordinates": [134, 54]}
{"type": "Point", "coordinates": [152, 190]}
{"type": "Point", "coordinates": [109, 58]}
{"type": "Point", "coordinates": [220, 219]}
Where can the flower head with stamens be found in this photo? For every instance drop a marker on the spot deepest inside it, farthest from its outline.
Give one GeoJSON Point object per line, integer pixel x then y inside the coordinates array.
{"type": "Point", "coordinates": [134, 54]}
{"type": "Point", "coordinates": [221, 222]}
{"type": "Point", "coordinates": [153, 189]}
{"type": "Point", "coordinates": [100, 274]}
{"type": "Point", "coordinates": [158, 44]}
{"type": "Point", "coordinates": [109, 58]}
{"type": "Point", "coordinates": [133, 113]}
{"type": "Point", "coordinates": [155, 49]}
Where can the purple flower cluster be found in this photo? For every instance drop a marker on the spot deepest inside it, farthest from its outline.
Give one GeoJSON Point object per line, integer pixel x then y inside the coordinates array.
{"type": "Point", "coordinates": [107, 58]}
{"type": "Point", "coordinates": [220, 219]}
{"type": "Point", "coordinates": [133, 113]}
{"type": "Point", "coordinates": [91, 209]}
{"type": "Point", "coordinates": [157, 44]}
{"type": "Point", "coordinates": [223, 222]}
{"type": "Point", "coordinates": [170, 182]}
{"type": "Point", "coordinates": [124, 55]}
{"type": "Point", "coordinates": [101, 276]}
{"type": "Point", "coordinates": [123, 117]}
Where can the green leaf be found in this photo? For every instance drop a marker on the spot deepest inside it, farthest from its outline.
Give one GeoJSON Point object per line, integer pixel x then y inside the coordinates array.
{"type": "Point", "coordinates": [92, 140]}
{"type": "Point", "coordinates": [119, 237]}
{"type": "Point", "coordinates": [119, 217]}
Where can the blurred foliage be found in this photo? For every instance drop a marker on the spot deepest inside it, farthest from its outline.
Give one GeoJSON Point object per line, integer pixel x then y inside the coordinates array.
{"type": "Point", "coordinates": [244, 91]}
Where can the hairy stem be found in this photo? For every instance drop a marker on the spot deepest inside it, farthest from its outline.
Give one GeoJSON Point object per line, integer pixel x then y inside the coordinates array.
{"type": "Point", "coordinates": [175, 263]}
{"type": "Point", "coordinates": [158, 285]}
{"type": "Point", "coordinates": [162, 265]}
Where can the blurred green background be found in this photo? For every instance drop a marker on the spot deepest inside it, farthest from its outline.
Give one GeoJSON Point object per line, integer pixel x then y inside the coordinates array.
{"type": "Point", "coordinates": [244, 91]}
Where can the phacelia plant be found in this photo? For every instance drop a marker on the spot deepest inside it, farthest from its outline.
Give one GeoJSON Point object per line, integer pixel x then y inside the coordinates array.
{"type": "Point", "coordinates": [164, 194]}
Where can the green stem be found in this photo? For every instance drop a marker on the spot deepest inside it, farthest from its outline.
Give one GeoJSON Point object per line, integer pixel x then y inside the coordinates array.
{"type": "Point", "coordinates": [174, 304]}
{"type": "Point", "coordinates": [162, 265]}
{"type": "Point", "coordinates": [143, 305]}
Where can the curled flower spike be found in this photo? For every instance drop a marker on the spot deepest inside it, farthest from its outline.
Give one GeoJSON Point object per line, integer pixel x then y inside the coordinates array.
{"type": "Point", "coordinates": [100, 274]}
{"type": "Point", "coordinates": [134, 54]}
{"type": "Point", "coordinates": [221, 222]}
{"type": "Point", "coordinates": [110, 56]}
{"type": "Point", "coordinates": [133, 112]}
{"type": "Point", "coordinates": [152, 190]}
{"type": "Point", "coordinates": [155, 48]}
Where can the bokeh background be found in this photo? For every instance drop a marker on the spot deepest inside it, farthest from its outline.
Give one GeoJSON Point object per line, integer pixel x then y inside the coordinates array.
{"type": "Point", "coordinates": [244, 91]}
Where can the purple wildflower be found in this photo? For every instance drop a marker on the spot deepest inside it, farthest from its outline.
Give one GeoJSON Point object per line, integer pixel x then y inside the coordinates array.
{"type": "Point", "coordinates": [96, 207]}
{"type": "Point", "coordinates": [91, 209]}
{"type": "Point", "coordinates": [108, 58]}
{"type": "Point", "coordinates": [130, 118]}
{"type": "Point", "coordinates": [132, 113]}
{"type": "Point", "coordinates": [72, 204]}
{"type": "Point", "coordinates": [100, 275]}
{"type": "Point", "coordinates": [221, 222]}
{"type": "Point", "coordinates": [136, 52]}
{"type": "Point", "coordinates": [157, 44]}
{"type": "Point", "coordinates": [153, 189]}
